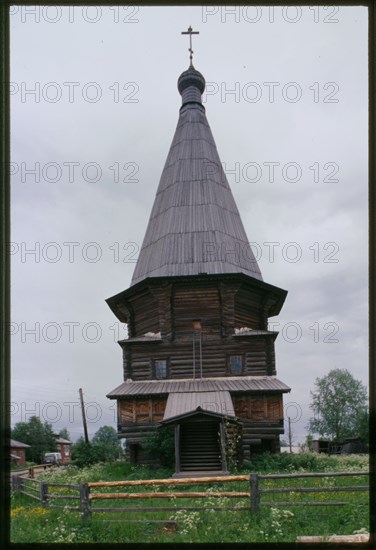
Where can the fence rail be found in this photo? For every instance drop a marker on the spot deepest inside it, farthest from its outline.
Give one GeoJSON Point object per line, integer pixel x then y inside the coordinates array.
{"type": "Point", "coordinates": [85, 496]}
{"type": "Point", "coordinates": [37, 467]}
{"type": "Point", "coordinates": [259, 491]}
{"type": "Point", "coordinates": [40, 491]}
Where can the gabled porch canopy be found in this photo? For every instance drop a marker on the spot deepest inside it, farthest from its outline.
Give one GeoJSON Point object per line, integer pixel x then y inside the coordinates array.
{"type": "Point", "coordinates": [194, 415]}
{"type": "Point", "coordinates": [200, 441]}
{"type": "Point", "coordinates": [183, 403]}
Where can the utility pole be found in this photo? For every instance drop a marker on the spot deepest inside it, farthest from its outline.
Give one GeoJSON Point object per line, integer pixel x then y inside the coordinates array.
{"type": "Point", "coordinates": [83, 415]}
{"type": "Point", "coordinates": [290, 435]}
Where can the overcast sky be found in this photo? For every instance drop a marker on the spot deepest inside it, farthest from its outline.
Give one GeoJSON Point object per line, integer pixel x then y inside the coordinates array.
{"type": "Point", "coordinates": [287, 104]}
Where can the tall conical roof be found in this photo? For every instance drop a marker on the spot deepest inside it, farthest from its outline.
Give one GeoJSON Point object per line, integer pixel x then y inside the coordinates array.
{"type": "Point", "coordinates": [194, 226]}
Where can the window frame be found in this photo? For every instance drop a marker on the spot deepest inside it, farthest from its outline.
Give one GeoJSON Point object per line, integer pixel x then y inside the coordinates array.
{"type": "Point", "coordinates": [229, 371]}
{"type": "Point", "coordinates": [154, 369]}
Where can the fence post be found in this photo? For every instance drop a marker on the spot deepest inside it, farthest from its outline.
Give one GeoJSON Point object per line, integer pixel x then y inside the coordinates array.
{"type": "Point", "coordinates": [84, 502]}
{"type": "Point", "coordinates": [255, 492]}
{"type": "Point", "coordinates": [15, 484]}
{"type": "Point", "coordinates": [44, 493]}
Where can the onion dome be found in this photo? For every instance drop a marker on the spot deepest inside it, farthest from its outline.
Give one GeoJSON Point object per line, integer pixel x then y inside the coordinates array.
{"type": "Point", "coordinates": [191, 85]}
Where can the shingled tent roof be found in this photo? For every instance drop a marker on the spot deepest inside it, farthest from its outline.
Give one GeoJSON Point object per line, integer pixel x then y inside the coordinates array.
{"type": "Point", "coordinates": [194, 226]}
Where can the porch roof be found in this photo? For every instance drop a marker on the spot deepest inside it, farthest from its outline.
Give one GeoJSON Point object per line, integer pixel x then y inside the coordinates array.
{"type": "Point", "coordinates": [178, 404]}
{"type": "Point", "coordinates": [228, 383]}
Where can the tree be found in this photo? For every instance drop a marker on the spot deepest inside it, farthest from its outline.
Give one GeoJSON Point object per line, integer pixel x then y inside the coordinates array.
{"type": "Point", "coordinates": [38, 435]}
{"type": "Point", "coordinates": [104, 447]}
{"type": "Point", "coordinates": [106, 444]}
{"type": "Point", "coordinates": [82, 454]}
{"type": "Point", "coordinates": [339, 404]}
{"type": "Point", "coordinates": [64, 434]}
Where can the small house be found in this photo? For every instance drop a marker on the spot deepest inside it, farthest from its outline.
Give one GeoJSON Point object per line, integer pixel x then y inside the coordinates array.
{"type": "Point", "coordinates": [18, 452]}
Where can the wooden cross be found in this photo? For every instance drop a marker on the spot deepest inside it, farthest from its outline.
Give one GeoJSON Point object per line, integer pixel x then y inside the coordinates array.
{"type": "Point", "coordinates": [190, 32]}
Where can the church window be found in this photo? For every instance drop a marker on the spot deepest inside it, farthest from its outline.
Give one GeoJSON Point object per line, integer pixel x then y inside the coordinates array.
{"type": "Point", "coordinates": [160, 369]}
{"type": "Point", "coordinates": [236, 364]}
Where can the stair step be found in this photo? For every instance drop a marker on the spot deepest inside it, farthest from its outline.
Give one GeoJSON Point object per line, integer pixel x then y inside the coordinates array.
{"type": "Point", "coordinates": [200, 448]}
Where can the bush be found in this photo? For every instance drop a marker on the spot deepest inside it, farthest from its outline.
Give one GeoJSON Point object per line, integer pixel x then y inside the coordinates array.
{"type": "Point", "coordinates": [161, 445]}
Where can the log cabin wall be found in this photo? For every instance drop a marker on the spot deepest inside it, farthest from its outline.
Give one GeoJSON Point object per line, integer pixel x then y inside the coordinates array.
{"type": "Point", "coordinates": [137, 420]}
{"type": "Point", "coordinates": [172, 309]}
{"type": "Point", "coordinates": [256, 408]}
{"type": "Point", "coordinates": [257, 353]}
{"type": "Point", "coordinates": [247, 310]}
{"type": "Point", "coordinates": [141, 410]}
{"type": "Point", "coordinates": [261, 417]}
{"type": "Point", "coordinates": [146, 316]}
{"type": "Point", "coordinates": [202, 304]}
{"type": "Point", "coordinates": [163, 295]}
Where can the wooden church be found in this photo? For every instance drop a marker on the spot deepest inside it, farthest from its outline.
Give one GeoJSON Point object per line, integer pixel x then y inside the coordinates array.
{"type": "Point", "coordinates": [199, 356]}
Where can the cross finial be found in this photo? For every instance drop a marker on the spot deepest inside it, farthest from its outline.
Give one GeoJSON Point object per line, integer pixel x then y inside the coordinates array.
{"type": "Point", "coordinates": [190, 32]}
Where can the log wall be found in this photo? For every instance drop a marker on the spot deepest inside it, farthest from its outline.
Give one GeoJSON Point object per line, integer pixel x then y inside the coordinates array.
{"type": "Point", "coordinates": [260, 407]}
{"type": "Point", "coordinates": [257, 354]}
{"type": "Point", "coordinates": [141, 410]}
{"type": "Point", "coordinates": [171, 308]}
{"type": "Point", "coordinates": [248, 310]}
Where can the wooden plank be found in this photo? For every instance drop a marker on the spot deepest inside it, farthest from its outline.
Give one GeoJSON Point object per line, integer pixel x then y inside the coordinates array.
{"type": "Point", "coordinates": [177, 447]}
{"type": "Point", "coordinates": [169, 508]}
{"type": "Point", "coordinates": [315, 489]}
{"type": "Point", "coordinates": [181, 481]}
{"type": "Point", "coordinates": [334, 538]}
{"type": "Point", "coordinates": [106, 496]}
{"type": "Point", "coordinates": [67, 497]}
{"type": "Point", "coordinates": [143, 521]}
{"type": "Point", "coordinates": [30, 495]}
{"type": "Point", "coordinates": [30, 480]}
{"type": "Point", "coordinates": [64, 485]}
{"type": "Point", "coordinates": [36, 490]}
{"type": "Point", "coordinates": [315, 474]}
{"type": "Point", "coordinates": [304, 504]}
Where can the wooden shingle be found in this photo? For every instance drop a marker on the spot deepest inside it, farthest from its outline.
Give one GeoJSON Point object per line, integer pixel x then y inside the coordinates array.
{"type": "Point", "coordinates": [194, 226]}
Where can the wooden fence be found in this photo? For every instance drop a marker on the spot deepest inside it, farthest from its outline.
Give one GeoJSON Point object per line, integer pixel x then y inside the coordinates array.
{"type": "Point", "coordinates": [258, 490]}
{"type": "Point", "coordinates": [84, 495]}
{"type": "Point", "coordinates": [90, 496]}
{"type": "Point", "coordinates": [43, 492]}
{"type": "Point", "coordinates": [37, 468]}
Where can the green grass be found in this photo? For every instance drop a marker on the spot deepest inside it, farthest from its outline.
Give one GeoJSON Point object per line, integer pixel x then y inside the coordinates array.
{"type": "Point", "coordinates": [32, 523]}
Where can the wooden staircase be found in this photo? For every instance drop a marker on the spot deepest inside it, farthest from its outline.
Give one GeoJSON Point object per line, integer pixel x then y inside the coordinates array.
{"type": "Point", "coordinates": [199, 447]}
